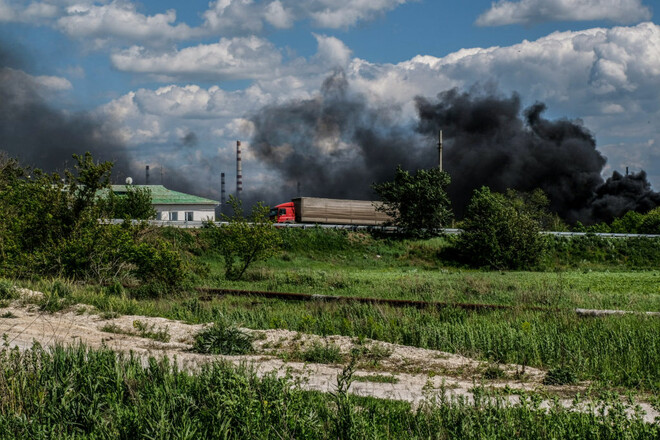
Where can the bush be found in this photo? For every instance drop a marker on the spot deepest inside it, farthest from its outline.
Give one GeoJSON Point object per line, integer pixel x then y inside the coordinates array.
{"type": "Point", "coordinates": [322, 353]}
{"type": "Point", "coordinates": [7, 290]}
{"type": "Point", "coordinates": [500, 232]}
{"type": "Point", "coordinates": [223, 338]}
{"type": "Point", "coordinates": [244, 240]}
{"type": "Point", "coordinates": [417, 203]}
{"type": "Point", "coordinates": [560, 376]}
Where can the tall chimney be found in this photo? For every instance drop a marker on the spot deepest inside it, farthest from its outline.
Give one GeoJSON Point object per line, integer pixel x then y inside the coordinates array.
{"type": "Point", "coordinates": [239, 171]}
{"type": "Point", "coordinates": [440, 150]}
{"type": "Point", "coordinates": [626, 171]}
{"type": "Point", "coordinates": [222, 193]}
{"type": "Point", "coordinates": [147, 174]}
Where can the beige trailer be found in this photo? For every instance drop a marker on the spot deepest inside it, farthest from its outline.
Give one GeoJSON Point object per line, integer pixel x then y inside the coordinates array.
{"type": "Point", "coordinates": [338, 211]}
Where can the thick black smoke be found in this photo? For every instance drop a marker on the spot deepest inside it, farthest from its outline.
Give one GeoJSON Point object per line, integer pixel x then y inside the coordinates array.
{"type": "Point", "coordinates": [490, 144]}
{"type": "Point", "coordinates": [42, 137]}
{"type": "Point", "coordinates": [620, 194]}
{"type": "Point", "coordinates": [336, 145]}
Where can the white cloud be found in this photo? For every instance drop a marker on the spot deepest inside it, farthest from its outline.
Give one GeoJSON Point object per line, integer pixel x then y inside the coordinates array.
{"type": "Point", "coordinates": [34, 12]}
{"type": "Point", "coordinates": [121, 21]}
{"type": "Point", "coordinates": [344, 13]}
{"type": "Point", "coordinates": [53, 83]}
{"type": "Point", "coordinates": [235, 58]}
{"type": "Point", "coordinates": [278, 16]}
{"type": "Point", "coordinates": [101, 23]}
{"type": "Point", "coordinates": [506, 12]}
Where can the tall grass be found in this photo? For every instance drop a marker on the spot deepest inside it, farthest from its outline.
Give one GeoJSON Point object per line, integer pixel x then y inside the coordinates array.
{"type": "Point", "coordinates": [617, 350]}
{"type": "Point", "coordinates": [80, 393]}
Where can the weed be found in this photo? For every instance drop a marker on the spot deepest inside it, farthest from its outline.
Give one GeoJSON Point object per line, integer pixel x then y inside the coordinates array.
{"type": "Point", "coordinates": [145, 330]}
{"type": "Point", "coordinates": [223, 338]}
{"type": "Point", "coordinates": [110, 314]}
{"type": "Point", "coordinates": [328, 353]}
{"type": "Point", "coordinates": [493, 372]}
{"type": "Point", "coordinates": [378, 378]}
{"type": "Point", "coordinates": [560, 376]}
{"type": "Point", "coordinates": [114, 328]}
{"type": "Point", "coordinates": [8, 314]}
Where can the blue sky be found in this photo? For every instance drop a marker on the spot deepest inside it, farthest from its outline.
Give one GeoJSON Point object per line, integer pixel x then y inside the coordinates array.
{"type": "Point", "coordinates": [153, 71]}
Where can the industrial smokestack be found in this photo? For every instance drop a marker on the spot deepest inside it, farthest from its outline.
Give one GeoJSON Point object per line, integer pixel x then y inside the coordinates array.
{"type": "Point", "coordinates": [239, 171]}
{"type": "Point", "coordinates": [440, 150]}
{"type": "Point", "coordinates": [146, 171]}
{"type": "Point", "coordinates": [222, 193]}
{"type": "Point", "coordinates": [626, 171]}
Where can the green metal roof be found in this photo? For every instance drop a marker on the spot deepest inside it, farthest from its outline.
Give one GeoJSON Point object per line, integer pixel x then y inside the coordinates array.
{"type": "Point", "coordinates": [163, 196]}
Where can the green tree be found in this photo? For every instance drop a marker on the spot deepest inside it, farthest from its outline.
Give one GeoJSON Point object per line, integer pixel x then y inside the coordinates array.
{"type": "Point", "coordinates": [628, 223]}
{"type": "Point", "coordinates": [49, 226]}
{"type": "Point", "coordinates": [242, 241]}
{"type": "Point", "coordinates": [418, 202]}
{"type": "Point", "coordinates": [651, 222]}
{"type": "Point", "coordinates": [500, 232]}
{"type": "Point", "coordinates": [135, 203]}
{"type": "Point", "coordinates": [535, 204]}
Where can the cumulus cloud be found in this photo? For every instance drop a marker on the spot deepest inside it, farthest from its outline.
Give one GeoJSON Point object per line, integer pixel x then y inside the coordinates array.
{"type": "Point", "coordinates": [233, 58]}
{"type": "Point", "coordinates": [247, 15]}
{"type": "Point", "coordinates": [506, 12]}
{"type": "Point", "coordinates": [121, 21]}
{"type": "Point", "coordinates": [34, 12]}
{"type": "Point", "coordinates": [103, 22]}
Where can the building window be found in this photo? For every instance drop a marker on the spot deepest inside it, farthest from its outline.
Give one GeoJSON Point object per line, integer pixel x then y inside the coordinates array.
{"type": "Point", "coordinates": [174, 216]}
{"type": "Point", "coordinates": [189, 216]}
{"type": "Point", "coordinates": [160, 215]}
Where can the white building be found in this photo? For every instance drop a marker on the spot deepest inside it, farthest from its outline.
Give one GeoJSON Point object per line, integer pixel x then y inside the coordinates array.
{"type": "Point", "coordinates": [175, 206]}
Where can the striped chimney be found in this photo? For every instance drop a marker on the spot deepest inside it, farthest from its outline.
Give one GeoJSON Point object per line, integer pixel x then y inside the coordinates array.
{"type": "Point", "coordinates": [440, 150]}
{"type": "Point", "coordinates": [222, 192]}
{"type": "Point", "coordinates": [239, 171]}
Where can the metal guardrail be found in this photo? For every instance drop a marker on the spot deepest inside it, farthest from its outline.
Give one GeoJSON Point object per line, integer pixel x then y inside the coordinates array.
{"type": "Point", "coordinates": [387, 229]}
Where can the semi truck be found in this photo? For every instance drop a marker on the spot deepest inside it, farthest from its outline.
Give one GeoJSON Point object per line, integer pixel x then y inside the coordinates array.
{"type": "Point", "coordinates": [331, 211]}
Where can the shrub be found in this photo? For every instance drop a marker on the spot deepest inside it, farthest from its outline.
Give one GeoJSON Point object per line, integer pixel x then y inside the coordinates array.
{"type": "Point", "coordinates": [7, 290]}
{"type": "Point", "coordinates": [223, 338]}
{"type": "Point", "coordinates": [322, 353]}
{"type": "Point", "coordinates": [500, 232]}
{"type": "Point", "coordinates": [244, 240]}
{"type": "Point", "coordinates": [560, 376]}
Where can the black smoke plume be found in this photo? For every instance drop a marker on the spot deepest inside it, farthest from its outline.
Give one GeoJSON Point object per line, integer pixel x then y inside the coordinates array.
{"type": "Point", "coordinates": [620, 194]}
{"type": "Point", "coordinates": [42, 137]}
{"type": "Point", "coordinates": [336, 145]}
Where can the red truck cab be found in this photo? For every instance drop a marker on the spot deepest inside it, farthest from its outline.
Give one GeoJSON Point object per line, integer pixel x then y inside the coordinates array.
{"type": "Point", "coordinates": [283, 213]}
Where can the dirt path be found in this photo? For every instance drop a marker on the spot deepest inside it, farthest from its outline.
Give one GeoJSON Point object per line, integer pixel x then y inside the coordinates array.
{"type": "Point", "coordinates": [386, 371]}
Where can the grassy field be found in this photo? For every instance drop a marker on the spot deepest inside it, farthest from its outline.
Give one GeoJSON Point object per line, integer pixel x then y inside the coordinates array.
{"type": "Point", "coordinates": [619, 354]}
{"type": "Point", "coordinates": [615, 351]}
{"type": "Point", "coordinates": [79, 393]}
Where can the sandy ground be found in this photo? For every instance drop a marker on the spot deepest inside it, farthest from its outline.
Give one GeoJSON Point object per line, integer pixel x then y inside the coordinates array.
{"type": "Point", "coordinates": [418, 373]}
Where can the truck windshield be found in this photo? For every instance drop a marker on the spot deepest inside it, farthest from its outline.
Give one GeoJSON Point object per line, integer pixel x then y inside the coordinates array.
{"type": "Point", "coordinates": [273, 212]}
